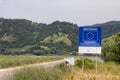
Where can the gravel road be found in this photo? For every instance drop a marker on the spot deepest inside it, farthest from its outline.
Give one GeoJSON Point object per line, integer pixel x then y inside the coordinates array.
{"type": "Point", "coordinates": [6, 73]}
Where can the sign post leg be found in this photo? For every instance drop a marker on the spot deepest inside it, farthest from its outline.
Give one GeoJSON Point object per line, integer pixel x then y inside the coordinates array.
{"type": "Point", "coordinates": [82, 63]}
{"type": "Point", "coordinates": [96, 65]}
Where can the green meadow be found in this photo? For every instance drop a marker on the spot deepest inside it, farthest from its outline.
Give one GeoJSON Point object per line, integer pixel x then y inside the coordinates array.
{"type": "Point", "coordinates": [13, 61]}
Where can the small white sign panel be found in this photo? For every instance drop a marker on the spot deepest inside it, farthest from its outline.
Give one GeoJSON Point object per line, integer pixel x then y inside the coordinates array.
{"type": "Point", "coordinates": [70, 61]}
{"type": "Point", "coordinates": [90, 50]}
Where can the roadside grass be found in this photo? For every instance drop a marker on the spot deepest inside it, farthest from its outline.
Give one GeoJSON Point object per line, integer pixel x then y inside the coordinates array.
{"type": "Point", "coordinates": [13, 61]}
{"type": "Point", "coordinates": [111, 68]}
{"type": "Point", "coordinates": [58, 72]}
{"type": "Point", "coordinates": [105, 71]}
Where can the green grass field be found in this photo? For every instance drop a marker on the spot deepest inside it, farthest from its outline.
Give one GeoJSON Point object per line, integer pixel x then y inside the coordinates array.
{"type": "Point", "coordinates": [13, 61]}
{"type": "Point", "coordinates": [58, 72]}
{"type": "Point", "coordinates": [106, 71]}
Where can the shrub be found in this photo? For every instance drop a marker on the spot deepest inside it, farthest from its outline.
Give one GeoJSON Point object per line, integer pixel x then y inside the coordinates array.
{"type": "Point", "coordinates": [111, 48]}
{"type": "Point", "coordinates": [89, 64]}
{"type": "Point", "coordinates": [64, 67]}
{"type": "Point", "coordinates": [78, 63]}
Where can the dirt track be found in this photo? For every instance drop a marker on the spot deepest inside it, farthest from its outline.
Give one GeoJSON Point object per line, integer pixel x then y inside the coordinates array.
{"type": "Point", "coordinates": [6, 73]}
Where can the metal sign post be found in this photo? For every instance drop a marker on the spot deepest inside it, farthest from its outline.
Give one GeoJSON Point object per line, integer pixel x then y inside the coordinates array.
{"type": "Point", "coordinates": [96, 65]}
{"type": "Point", "coordinates": [82, 63]}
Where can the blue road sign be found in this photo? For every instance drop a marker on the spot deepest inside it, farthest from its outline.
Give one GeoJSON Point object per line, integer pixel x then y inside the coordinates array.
{"type": "Point", "coordinates": [89, 36]}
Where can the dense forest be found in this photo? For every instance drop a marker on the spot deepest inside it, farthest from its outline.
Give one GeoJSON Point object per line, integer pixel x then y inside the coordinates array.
{"type": "Point", "coordinates": [20, 36]}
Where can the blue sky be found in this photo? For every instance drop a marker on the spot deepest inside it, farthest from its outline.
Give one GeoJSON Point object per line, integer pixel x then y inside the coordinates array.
{"type": "Point", "coordinates": [81, 12]}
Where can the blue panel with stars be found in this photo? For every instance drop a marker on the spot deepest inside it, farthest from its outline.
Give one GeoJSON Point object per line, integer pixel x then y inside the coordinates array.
{"type": "Point", "coordinates": [90, 36]}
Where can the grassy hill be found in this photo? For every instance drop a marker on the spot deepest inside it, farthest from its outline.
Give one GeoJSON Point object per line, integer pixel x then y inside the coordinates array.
{"type": "Point", "coordinates": [20, 36]}
{"type": "Point", "coordinates": [109, 28]}
{"type": "Point", "coordinates": [56, 38]}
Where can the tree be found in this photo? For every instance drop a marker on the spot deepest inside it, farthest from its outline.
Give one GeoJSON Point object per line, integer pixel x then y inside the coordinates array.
{"type": "Point", "coordinates": [111, 48]}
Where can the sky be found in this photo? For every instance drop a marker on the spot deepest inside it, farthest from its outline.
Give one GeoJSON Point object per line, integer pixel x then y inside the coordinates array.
{"type": "Point", "coordinates": [80, 12]}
